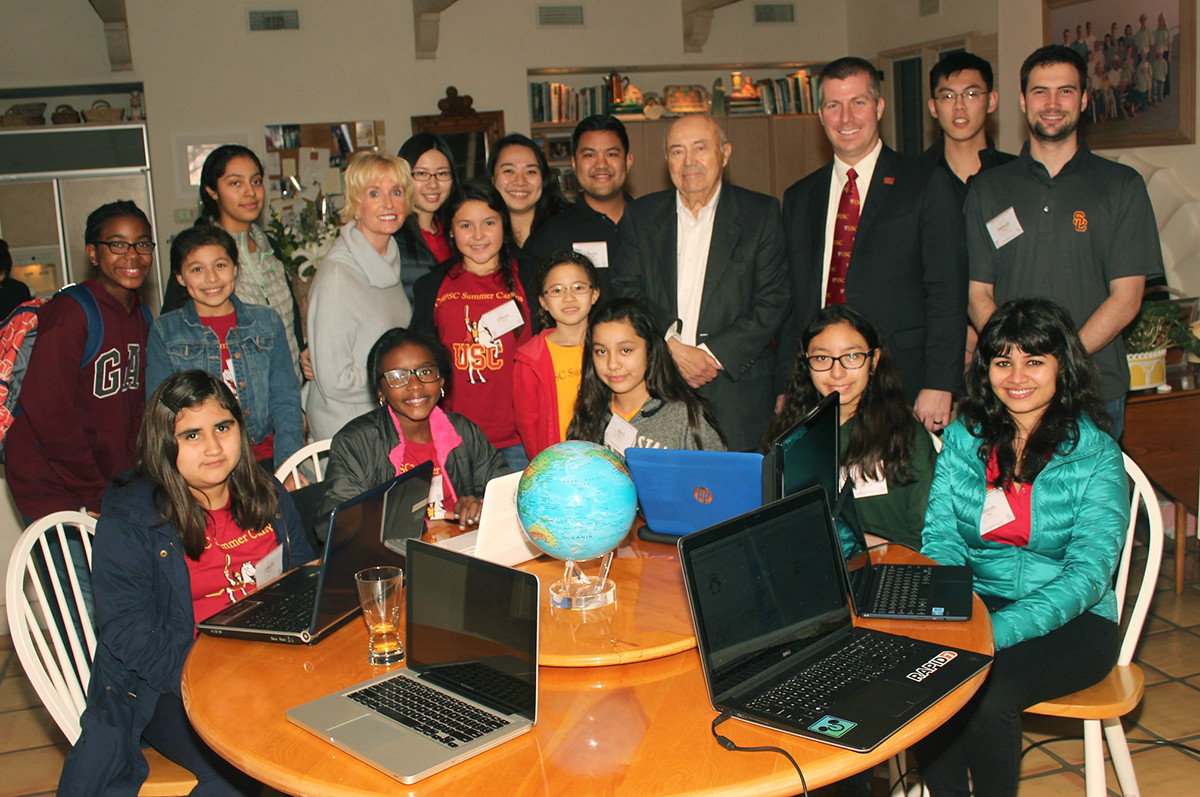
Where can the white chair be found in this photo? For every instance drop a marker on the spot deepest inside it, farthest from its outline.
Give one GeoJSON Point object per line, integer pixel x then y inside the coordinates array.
{"type": "Point", "coordinates": [311, 454]}
{"type": "Point", "coordinates": [56, 660]}
{"type": "Point", "coordinates": [1102, 706]}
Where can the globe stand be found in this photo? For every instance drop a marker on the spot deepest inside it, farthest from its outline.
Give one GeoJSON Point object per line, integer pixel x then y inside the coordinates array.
{"type": "Point", "coordinates": [577, 590]}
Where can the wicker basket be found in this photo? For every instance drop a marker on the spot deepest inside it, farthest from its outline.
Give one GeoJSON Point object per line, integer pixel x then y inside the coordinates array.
{"type": "Point", "coordinates": [20, 120]}
{"type": "Point", "coordinates": [101, 111]}
{"type": "Point", "coordinates": [65, 115]}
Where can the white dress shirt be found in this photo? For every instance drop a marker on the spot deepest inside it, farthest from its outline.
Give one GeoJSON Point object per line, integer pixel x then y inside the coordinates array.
{"type": "Point", "coordinates": [693, 236]}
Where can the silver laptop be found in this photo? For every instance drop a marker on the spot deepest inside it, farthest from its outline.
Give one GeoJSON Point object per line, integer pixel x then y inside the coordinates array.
{"type": "Point", "coordinates": [499, 537]}
{"type": "Point", "coordinates": [471, 678]}
{"type": "Point", "coordinates": [311, 601]}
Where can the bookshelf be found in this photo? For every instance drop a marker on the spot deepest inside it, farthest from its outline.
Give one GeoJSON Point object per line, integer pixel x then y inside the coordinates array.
{"type": "Point", "coordinates": [771, 149]}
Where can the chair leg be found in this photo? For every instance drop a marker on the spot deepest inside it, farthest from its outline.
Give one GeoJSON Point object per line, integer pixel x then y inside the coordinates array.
{"type": "Point", "coordinates": [1093, 760]}
{"type": "Point", "coordinates": [1118, 748]}
{"type": "Point", "coordinates": [1180, 545]}
{"type": "Point", "coordinates": [898, 765]}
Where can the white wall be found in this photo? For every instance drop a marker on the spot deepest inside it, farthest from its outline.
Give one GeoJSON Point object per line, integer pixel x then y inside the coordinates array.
{"type": "Point", "coordinates": [874, 26]}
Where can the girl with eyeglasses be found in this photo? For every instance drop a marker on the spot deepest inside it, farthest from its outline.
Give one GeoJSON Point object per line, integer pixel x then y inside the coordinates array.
{"type": "Point", "coordinates": [548, 368]}
{"type": "Point", "coordinates": [424, 238]}
{"type": "Point", "coordinates": [409, 372]}
{"type": "Point", "coordinates": [885, 450]}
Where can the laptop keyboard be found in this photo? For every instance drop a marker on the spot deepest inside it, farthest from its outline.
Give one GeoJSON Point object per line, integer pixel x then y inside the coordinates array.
{"type": "Point", "coordinates": [808, 694]}
{"type": "Point", "coordinates": [435, 714]}
{"type": "Point", "coordinates": [900, 590]}
{"type": "Point", "coordinates": [286, 613]}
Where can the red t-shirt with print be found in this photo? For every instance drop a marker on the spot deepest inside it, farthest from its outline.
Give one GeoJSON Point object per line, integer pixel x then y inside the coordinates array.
{"type": "Point", "coordinates": [225, 571]}
{"type": "Point", "coordinates": [221, 324]}
{"type": "Point", "coordinates": [483, 368]}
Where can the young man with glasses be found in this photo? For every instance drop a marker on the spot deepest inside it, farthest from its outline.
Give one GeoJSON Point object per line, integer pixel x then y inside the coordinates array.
{"type": "Point", "coordinates": [962, 98]}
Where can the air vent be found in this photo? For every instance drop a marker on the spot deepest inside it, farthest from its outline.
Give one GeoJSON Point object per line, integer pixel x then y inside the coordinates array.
{"type": "Point", "coordinates": [559, 16]}
{"type": "Point", "coordinates": [927, 8]}
{"type": "Point", "coordinates": [277, 19]}
{"type": "Point", "coordinates": [774, 12]}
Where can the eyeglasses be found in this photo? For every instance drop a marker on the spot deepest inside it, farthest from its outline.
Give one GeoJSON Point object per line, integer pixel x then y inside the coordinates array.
{"type": "Point", "coordinates": [423, 175]}
{"type": "Point", "coordinates": [399, 377]}
{"type": "Point", "coordinates": [576, 289]}
{"type": "Point", "coordinates": [121, 247]}
{"type": "Point", "coordinates": [951, 97]}
{"type": "Point", "coordinates": [851, 360]}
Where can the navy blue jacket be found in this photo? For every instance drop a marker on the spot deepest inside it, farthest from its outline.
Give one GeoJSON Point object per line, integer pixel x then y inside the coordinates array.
{"type": "Point", "coordinates": [145, 627]}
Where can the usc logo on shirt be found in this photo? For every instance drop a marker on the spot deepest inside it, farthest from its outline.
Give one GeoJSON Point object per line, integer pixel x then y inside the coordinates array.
{"type": "Point", "coordinates": [1080, 220]}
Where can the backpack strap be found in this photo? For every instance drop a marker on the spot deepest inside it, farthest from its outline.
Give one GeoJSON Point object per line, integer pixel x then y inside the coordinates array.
{"type": "Point", "coordinates": [95, 324]}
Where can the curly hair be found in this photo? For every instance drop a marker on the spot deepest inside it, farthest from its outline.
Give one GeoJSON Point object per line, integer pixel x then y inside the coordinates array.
{"type": "Point", "coordinates": [879, 444]}
{"type": "Point", "coordinates": [663, 379]}
{"type": "Point", "coordinates": [1036, 327]}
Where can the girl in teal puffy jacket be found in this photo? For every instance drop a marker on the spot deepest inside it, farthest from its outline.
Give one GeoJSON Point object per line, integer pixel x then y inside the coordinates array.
{"type": "Point", "coordinates": [1030, 492]}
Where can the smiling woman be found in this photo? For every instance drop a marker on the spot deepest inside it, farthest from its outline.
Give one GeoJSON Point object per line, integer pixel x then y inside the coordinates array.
{"type": "Point", "coordinates": [357, 293]}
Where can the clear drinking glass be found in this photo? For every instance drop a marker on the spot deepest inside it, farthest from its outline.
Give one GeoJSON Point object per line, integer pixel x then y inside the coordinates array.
{"type": "Point", "coordinates": [379, 593]}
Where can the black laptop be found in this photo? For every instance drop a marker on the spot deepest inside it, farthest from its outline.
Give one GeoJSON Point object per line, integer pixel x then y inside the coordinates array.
{"type": "Point", "coordinates": [776, 639]}
{"type": "Point", "coordinates": [308, 603]}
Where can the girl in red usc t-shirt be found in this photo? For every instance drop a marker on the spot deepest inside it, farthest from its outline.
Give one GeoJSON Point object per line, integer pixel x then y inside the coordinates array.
{"type": "Point", "coordinates": [548, 368]}
{"type": "Point", "coordinates": [477, 307]}
{"type": "Point", "coordinates": [196, 525]}
{"type": "Point", "coordinates": [408, 370]}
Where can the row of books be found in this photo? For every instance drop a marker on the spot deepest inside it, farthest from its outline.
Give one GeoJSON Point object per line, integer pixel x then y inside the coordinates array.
{"type": "Point", "coordinates": [557, 102]}
{"type": "Point", "coordinates": [796, 93]}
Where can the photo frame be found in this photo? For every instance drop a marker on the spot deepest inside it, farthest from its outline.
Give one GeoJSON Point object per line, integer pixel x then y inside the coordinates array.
{"type": "Point", "coordinates": [189, 153]}
{"type": "Point", "coordinates": [1140, 92]}
{"type": "Point", "coordinates": [558, 148]}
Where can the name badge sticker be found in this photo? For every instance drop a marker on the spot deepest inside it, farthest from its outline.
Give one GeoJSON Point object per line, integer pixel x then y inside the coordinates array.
{"type": "Point", "coordinates": [499, 320]}
{"type": "Point", "coordinates": [996, 512]}
{"type": "Point", "coordinates": [620, 434]}
{"type": "Point", "coordinates": [1004, 228]}
{"type": "Point", "coordinates": [270, 567]}
{"type": "Point", "coordinates": [595, 251]}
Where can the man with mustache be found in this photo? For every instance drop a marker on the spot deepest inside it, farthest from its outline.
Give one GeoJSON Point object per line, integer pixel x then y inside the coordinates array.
{"type": "Point", "coordinates": [601, 159]}
{"type": "Point", "coordinates": [1063, 223]}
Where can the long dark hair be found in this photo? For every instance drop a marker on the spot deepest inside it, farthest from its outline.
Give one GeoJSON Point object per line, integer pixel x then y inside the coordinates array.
{"type": "Point", "coordinates": [398, 336]}
{"type": "Point", "coordinates": [556, 259]}
{"type": "Point", "coordinates": [213, 170]}
{"type": "Point", "coordinates": [1038, 327]}
{"type": "Point", "coordinates": [411, 151]}
{"type": "Point", "coordinates": [551, 202]}
{"type": "Point", "coordinates": [254, 501]}
{"type": "Point", "coordinates": [880, 438]}
{"type": "Point", "coordinates": [663, 379]}
{"type": "Point", "coordinates": [479, 191]}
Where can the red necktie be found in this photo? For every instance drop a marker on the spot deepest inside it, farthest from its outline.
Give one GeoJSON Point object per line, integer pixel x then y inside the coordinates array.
{"type": "Point", "coordinates": [844, 228]}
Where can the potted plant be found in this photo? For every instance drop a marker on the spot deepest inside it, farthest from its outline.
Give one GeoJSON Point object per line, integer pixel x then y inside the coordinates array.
{"type": "Point", "coordinates": [1159, 325]}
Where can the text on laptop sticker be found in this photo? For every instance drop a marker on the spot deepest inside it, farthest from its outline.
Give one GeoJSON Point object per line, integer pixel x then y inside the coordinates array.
{"type": "Point", "coordinates": [933, 665]}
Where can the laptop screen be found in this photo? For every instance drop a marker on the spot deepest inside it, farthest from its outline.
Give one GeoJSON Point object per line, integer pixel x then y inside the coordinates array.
{"type": "Point", "coordinates": [763, 587]}
{"type": "Point", "coordinates": [358, 533]}
{"type": "Point", "coordinates": [807, 454]}
{"type": "Point", "coordinates": [471, 626]}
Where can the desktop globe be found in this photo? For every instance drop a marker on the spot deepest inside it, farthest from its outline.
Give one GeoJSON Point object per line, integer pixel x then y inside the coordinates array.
{"type": "Point", "coordinates": [576, 501]}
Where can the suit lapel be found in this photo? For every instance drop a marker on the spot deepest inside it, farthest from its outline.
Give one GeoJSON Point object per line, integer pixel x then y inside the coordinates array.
{"type": "Point", "coordinates": [665, 249]}
{"type": "Point", "coordinates": [881, 187]}
{"type": "Point", "coordinates": [818, 210]}
{"type": "Point", "coordinates": [721, 245]}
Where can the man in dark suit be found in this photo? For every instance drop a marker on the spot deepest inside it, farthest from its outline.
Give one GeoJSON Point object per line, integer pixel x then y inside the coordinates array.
{"type": "Point", "coordinates": [708, 257]}
{"type": "Point", "coordinates": [901, 256]}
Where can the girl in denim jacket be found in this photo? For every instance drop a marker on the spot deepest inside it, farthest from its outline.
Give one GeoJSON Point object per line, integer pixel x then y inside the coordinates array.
{"type": "Point", "coordinates": [245, 345]}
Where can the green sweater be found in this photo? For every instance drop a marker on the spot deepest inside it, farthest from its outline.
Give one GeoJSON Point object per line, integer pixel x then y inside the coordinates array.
{"type": "Point", "coordinates": [898, 515]}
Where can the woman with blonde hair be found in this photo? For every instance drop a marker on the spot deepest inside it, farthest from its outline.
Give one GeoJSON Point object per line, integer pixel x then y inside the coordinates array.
{"type": "Point", "coordinates": [357, 294]}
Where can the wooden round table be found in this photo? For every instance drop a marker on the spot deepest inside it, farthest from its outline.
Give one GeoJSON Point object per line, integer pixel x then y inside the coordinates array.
{"type": "Point", "coordinates": [638, 728]}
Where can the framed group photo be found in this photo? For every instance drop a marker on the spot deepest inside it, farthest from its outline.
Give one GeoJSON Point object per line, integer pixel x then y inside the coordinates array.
{"type": "Point", "coordinates": [1141, 62]}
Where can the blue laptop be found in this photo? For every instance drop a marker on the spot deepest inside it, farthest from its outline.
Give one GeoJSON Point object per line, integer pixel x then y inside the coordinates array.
{"type": "Point", "coordinates": [685, 491]}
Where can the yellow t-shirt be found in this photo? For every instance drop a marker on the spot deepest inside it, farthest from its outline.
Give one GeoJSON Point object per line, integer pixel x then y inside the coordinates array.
{"type": "Point", "coordinates": [567, 362]}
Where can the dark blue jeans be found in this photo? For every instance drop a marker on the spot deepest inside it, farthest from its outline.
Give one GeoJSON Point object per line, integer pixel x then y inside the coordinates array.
{"type": "Point", "coordinates": [171, 733]}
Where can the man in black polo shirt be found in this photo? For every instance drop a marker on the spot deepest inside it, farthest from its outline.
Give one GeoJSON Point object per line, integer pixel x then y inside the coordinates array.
{"type": "Point", "coordinates": [1065, 224]}
{"type": "Point", "coordinates": [601, 159]}
{"type": "Point", "coordinates": [961, 99]}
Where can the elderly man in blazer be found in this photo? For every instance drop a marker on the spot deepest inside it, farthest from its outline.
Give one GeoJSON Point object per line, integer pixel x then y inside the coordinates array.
{"type": "Point", "coordinates": [708, 257]}
{"type": "Point", "coordinates": [902, 251]}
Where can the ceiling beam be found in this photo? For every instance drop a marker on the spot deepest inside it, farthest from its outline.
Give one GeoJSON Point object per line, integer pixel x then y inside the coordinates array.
{"type": "Point", "coordinates": [426, 14]}
{"type": "Point", "coordinates": [116, 33]}
{"type": "Point", "coordinates": [697, 22]}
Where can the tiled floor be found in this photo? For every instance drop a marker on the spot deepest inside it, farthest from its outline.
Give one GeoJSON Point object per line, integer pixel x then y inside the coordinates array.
{"type": "Point", "coordinates": [32, 748]}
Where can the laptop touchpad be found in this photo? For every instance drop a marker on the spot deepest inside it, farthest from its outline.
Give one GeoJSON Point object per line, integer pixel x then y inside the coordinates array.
{"type": "Point", "coordinates": [893, 698]}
